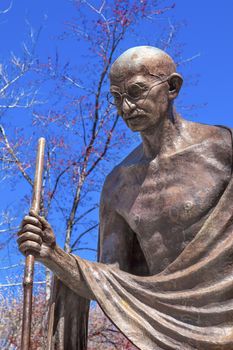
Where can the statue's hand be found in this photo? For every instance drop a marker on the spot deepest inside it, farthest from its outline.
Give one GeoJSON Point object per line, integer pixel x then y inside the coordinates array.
{"type": "Point", "coordinates": [36, 236]}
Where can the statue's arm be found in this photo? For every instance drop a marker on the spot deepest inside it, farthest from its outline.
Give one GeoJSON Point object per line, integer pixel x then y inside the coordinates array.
{"type": "Point", "coordinates": [115, 237]}
{"type": "Point", "coordinates": [36, 236]}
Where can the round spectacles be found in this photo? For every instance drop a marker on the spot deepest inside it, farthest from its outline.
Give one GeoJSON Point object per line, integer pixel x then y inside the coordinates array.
{"type": "Point", "coordinates": [134, 92]}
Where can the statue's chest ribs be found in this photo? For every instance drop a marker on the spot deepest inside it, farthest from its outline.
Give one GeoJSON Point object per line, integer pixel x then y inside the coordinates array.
{"type": "Point", "coordinates": [162, 201]}
{"type": "Point", "coordinates": [176, 204]}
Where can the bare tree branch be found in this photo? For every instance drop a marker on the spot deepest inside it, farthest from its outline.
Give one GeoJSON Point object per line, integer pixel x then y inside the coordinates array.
{"type": "Point", "coordinates": [86, 213]}
{"type": "Point", "coordinates": [189, 59]}
{"type": "Point", "coordinates": [3, 12]}
{"type": "Point", "coordinates": [83, 234]}
{"type": "Point", "coordinates": [16, 159]}
{"type": "Point", "coordinates": [19, 284]}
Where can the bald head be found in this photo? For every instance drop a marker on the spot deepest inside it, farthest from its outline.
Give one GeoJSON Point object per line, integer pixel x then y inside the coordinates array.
{"type": "Point", "coordinates": [142, 59]}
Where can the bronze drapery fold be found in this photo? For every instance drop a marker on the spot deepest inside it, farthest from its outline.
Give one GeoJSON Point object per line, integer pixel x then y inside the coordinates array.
{"type": "Point", "coordinates": [189, 305]}
{"type": "Point", "coordinates": [68, 319]}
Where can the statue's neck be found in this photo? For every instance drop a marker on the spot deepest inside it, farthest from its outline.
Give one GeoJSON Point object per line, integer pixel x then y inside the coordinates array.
{"type": "Point", "coordinates": [164, 138]}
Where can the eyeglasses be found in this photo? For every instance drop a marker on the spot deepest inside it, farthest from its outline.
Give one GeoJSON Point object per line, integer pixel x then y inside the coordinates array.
{"type": "Point", "coordinates": [134, 92]}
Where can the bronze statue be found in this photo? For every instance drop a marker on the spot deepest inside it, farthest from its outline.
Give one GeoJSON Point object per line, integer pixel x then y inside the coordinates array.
{"type": "Point", "coordinates": [165, 271]}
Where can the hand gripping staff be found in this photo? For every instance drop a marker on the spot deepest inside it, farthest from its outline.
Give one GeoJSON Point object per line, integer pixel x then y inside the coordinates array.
{"type": "Point", "coordinates": [29, 264]}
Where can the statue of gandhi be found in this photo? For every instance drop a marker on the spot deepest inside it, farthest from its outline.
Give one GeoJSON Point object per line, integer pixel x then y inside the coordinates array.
{"type": "Point", "coordinates": [165, 220]}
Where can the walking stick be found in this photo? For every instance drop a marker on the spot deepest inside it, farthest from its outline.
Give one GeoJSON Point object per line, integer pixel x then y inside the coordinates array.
{"type": "Point", "coordinates": [29, 264]}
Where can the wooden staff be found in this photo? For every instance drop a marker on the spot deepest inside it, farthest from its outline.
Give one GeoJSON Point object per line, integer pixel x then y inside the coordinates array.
{"type": "Point", "coordinates": [29, 264]}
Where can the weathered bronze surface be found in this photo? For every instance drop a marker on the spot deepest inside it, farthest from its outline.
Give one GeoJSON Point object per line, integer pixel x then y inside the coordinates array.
{"type": "Point", "coordinates": [165, 271]}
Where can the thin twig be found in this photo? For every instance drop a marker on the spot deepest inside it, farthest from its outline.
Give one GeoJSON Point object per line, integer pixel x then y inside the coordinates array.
{"type": "Point", "coordinates": [19, 284]}
{"type": "Point", "coordinates": [83, 234]}
{"type": "Point", "coordinates": [16, 159]}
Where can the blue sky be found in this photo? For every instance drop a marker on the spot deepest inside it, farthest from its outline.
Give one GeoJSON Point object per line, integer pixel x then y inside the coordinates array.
{"type": "Point", "coordinates": [209, 32]}
{"type": "Point", "coordinates": [206, 33]}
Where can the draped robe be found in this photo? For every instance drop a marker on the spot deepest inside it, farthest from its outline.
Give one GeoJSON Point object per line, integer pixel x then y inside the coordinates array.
{"type": "Point", "coordinates": [187, 305]}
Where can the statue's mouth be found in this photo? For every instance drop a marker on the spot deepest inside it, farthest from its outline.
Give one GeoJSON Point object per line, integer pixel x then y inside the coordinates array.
{"type": "Point", "coordinates": [135, 117]}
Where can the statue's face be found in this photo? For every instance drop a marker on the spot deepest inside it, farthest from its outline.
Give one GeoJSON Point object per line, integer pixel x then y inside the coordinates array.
{"type": "Point", "coordinates": [141, 99]}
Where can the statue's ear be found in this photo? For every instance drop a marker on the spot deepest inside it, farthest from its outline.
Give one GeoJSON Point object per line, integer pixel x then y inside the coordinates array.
{"type": "Point", "coordinates": [175, 82]}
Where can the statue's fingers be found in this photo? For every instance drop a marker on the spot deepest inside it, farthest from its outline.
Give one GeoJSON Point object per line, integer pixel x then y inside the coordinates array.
{"type": "Point", "coordinates": [30, 246]}
{"type": "Point", "coordinates": [49, 238]}
{"type": "Point", "coordinates": [31, 220]}
{"type": "Point", "coordinates": [31, 228]}
{"type": "Point", "coordinates": [41, 219]}
{"type": "Point", "coordinates": [29, 236]}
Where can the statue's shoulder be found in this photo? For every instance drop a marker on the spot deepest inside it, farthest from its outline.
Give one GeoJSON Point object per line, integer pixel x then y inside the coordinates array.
{"type": "Point", "coordinates": [116, 179]}
{"type": "Point", "coordinates": [213, 142]}
{"type": "Point", "coordinates": [213, 134]}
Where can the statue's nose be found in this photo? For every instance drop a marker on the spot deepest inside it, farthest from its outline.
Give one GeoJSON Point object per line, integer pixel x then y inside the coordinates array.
{"type": "Point", "coordinates": [127, 105]}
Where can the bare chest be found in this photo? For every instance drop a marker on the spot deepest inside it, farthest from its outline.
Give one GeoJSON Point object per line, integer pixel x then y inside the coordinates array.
{"type": "Point", "coordinates": [165, 201]}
